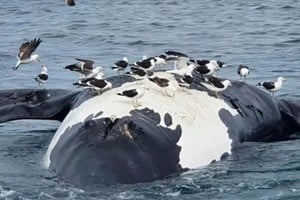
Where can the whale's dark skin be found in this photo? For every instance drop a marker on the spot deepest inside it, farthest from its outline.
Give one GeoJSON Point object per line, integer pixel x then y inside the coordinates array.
{"type": "Point", "coordinates": [136, 148]}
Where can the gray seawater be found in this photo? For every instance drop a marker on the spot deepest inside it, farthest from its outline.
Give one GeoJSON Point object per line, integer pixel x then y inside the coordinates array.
{"type": "Point", "coordinates": [262, 34]}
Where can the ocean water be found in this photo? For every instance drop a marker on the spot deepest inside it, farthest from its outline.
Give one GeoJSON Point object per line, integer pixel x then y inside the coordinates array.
{"type": "Point", "coordinates": [262, 34]}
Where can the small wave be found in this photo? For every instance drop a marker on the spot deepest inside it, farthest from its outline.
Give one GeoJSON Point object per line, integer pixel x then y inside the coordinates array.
{"type": "Point", "coordinates": [129, 195]}
{"type": "Point", "coordinates": [293, 41]}
{"type": "Point", "coordinates": [263, 7]}
{"type": "Point", "coordinates": [141, 42]}
{"type": "Point", "coordinates": [187, 189]}
{"type": "Point", "coordinates": [155, 24]}
{"type": "Point", "coordinates": [287, 7]}
{"type": "Point", "coordinates": [5, 192]}
{"type": "Point", "coordinates": [76, 26]}
{"type": "Point", "coordinates": [51, 35]}
{"type": "Point", "coordinates": [283, 70]}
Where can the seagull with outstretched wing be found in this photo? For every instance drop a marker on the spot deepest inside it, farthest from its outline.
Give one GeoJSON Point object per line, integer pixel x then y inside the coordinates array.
{"type": "Point", "coordinates": [26, 49]}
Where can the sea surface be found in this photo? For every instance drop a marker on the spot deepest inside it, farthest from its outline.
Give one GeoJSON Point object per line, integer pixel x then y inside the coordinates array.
{"type": "Point", "coordinates": [262, 34]}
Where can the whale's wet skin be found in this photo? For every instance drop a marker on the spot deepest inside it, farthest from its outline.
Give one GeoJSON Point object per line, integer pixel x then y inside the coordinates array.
{"type": "Point", "coordinates": [263, 35]}
{"type": "Point", "coordinates": [103, 139]}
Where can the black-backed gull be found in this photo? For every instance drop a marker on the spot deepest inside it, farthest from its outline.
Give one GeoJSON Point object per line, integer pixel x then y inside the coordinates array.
{"type": "Point", "coordinates": [176, 54]}
{"type": "Point", "coordinates": [186, 80]}
{"type": "Point", "coordinates": [86, 68]}
{"type": "Point", "coordinates": [147, 64]}
{"type": "Point", "coordinates": [273, 86]}
{"type": "Point", "coordinates": [42, 78]}
{"type": "Point", "coordinates": [96, 83]}
{"type": "Point", "coordinates": [26, 49]}
{"type": "Point", "coordinates": [216, 85]}
{"type": "Point", "coordinates": [243, 71]}
{"type": "Point", "coordinates": [133, 94]}
{"type": "Point", "coordinates": [164, 84]}
{"type": "Point", "coordinates": [181, 59]}
{"type": "Point", "coordinates": [120, 65]}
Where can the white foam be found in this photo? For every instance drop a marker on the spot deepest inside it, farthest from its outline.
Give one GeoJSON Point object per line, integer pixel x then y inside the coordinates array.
{"type": "Point", "coordinates": [204, 136]}
{"type": "Point", "coordinates": [5, 193]}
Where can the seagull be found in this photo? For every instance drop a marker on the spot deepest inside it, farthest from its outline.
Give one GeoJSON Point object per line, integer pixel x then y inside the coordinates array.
{"type": "Point", "coordinates": [209, 63]}
{"type": "Point", "coordinates": [186, 80]}
{"type": "Point", "coordinates": [70, 2]}
{"type": "Point", "coordinates": [243, 71]}
{"type": "Point", "coordinates": [160, 60]}
{"type": "Point", "coordinates": [204, 70]}
{"type": "Point", "coordinates": [273, 86]}
{"type": "Point", "coordinates": [207, 67]}
{"type": "Point", "coordinates": [163, 83]}
{"type": "Point", "coordinates": [181, 59]}
{"type": "Point", "coordinates": [26, 49]}
{"type": "Point", "coordinates": [97, 83]}
{"type": "Point", "coordinates": [216, 85]}
{"type": "Point", "coordinates": [183, 71]}
{"type": "Point", "coordinates": [85, 67]}
{"type": "Point", "coordinates": [139, 73]}
{"type": "Point", "coordinates": [147, 64]}
{"type": "Point", "coordinates": [42, 77]}
{"type": "Point", "coordinates": [176, 54]}
{"type": "Point", "coordinates": [133, 94]}
{"type": "Point", "coordinates": [120, 65]}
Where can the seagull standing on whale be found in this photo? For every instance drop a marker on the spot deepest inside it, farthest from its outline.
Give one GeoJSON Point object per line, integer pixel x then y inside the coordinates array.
{"type": "Point", "coordinates": [96, 83]}
{"type": "Point", "coordinates": [186, 81]}
{"type": "Point", "coordinates": [139, 73]}
{"type": "Point", "coordinates": [133, 94]}
{"type": "Point", "coordinates": [147, 64]}
{"type": "Point", "coordinates": [273, 86]}
{"type": "Point", "coordinates": [164, 85]}
{"type": "Point", "coordinates": [120, 65]}
{"type": "Point", "coordinates": [26, 49]}
{"type": "Point", "coordinates": [216, 85]}
{"type": "Point", "coordinates": [207, 67]}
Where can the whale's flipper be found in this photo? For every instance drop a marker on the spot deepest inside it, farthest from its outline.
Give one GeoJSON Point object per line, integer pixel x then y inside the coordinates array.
{"type": "Point", "coordinates": [52, 104]}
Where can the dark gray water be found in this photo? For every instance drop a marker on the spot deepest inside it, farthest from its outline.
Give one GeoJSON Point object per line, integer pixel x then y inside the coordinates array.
{"type": "Point", "coordinates": [264, 35]}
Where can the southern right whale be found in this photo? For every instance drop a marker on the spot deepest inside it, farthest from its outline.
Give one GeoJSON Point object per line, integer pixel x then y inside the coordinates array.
{"type": "Point", "coordinates": [103, 139]}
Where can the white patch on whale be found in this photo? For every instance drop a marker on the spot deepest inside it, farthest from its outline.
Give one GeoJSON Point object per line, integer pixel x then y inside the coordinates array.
{"type": "Point", "coordinates": [204, 136]}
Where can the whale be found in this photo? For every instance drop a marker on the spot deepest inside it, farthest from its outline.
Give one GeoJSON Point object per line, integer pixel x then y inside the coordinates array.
{"type": "Point", "coordinates": [103, 139]}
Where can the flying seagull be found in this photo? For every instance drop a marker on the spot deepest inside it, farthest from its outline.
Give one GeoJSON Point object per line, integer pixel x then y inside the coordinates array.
{"type": "Point", "coordinates": [85, 67]}
{"type": "Point", "coordinates": [181, 59]}
{"type": "Point", "coordinates": [26, 49]}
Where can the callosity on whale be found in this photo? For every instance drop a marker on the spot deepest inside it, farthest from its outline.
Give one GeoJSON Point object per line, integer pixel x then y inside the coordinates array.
{"type": "Point", "coordinates": [104, 139]}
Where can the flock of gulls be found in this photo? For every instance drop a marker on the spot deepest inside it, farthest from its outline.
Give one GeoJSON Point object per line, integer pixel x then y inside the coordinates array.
{"type": "Point", "coordinates": [92, 76]}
